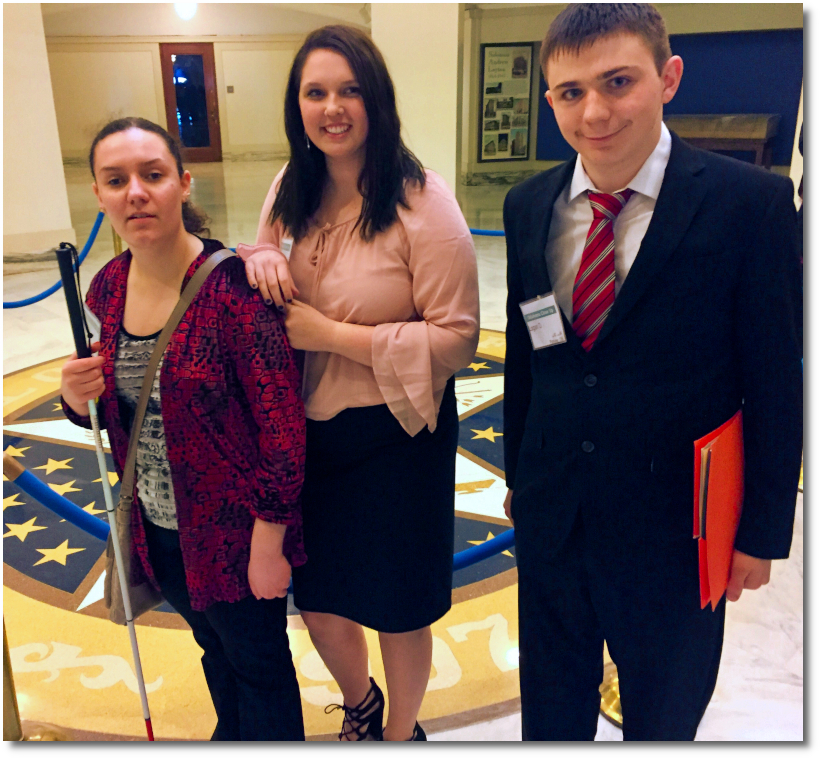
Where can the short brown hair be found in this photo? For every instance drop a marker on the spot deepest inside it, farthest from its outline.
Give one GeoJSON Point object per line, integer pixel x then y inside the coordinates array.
{"type": "Point", "coordinates": [580, 25]}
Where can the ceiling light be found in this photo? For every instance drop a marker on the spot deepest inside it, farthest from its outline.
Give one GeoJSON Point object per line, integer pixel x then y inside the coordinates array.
{"type": "Point", "coordinates": [186, 11]}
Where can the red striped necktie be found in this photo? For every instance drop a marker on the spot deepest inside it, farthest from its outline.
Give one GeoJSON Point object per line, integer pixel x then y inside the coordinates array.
{"type": "Point", "coordinates": [594, 291]}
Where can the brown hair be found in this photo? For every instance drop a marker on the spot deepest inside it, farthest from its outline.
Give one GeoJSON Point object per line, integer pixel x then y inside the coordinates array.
{"type": "Point", "coordinates": [194, 220]}
{"type": "Point", "coordinates": [580, 25]}
{"type": "Point", "coordinates": [388, 163]}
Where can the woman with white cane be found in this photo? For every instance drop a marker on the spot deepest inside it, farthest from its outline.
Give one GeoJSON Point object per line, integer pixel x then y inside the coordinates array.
{"type": "Point", "coordinates": [216, 522]}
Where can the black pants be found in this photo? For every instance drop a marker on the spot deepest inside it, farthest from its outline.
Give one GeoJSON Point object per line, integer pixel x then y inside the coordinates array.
{"type": "Point", "coordinates": [644, 602]}
{"type": "Point", "coordinates": [246, 657]}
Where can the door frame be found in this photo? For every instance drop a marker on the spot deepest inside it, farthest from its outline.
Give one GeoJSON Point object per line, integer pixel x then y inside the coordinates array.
{"type": "Point", "coordinates": [213, 153]}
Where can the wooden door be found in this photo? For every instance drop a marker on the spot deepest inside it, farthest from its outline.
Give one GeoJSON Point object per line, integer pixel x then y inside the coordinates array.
{"type": "Point", "coordinates": [191, 110]}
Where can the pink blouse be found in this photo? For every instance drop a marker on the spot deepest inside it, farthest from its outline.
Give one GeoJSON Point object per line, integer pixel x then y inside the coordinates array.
{"type": "Point", "coordinates": [416, 282]}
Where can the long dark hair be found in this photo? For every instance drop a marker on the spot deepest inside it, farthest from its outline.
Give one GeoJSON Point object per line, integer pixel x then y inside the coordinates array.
{"type": "Point", "coordinates": [194, 220]}
{"type": "Point", "coordinates": [388, 162]}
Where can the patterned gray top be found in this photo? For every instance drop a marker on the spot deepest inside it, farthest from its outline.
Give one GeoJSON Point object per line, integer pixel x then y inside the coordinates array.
{"type": "Point", "coordinates": [154, 486]}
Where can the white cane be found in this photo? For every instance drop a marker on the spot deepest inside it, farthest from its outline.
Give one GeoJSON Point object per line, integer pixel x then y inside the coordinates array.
{"type": "Point", "coordinates": [126, 598]}
{"type": "Point", "coordinates": [66, 254]}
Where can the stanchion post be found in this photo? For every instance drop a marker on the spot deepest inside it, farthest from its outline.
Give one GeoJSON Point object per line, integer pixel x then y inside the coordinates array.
{"type": "Point", "coordinates": [12, 730]}
{"type": "Point", "coordinates": [11, 468]}
{"type": "Point", "coordinates": [117, 242]}
{"type": "Point", "coordinates": [611, 693]}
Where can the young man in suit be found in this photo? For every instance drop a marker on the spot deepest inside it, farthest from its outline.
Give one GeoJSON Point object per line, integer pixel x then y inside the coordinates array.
{"type": "Point", "coordinates": [681, 308]}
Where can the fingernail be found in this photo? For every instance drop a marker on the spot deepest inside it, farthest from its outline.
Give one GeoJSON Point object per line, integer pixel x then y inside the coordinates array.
{"type": "Point", "coordinates": [281, 308]}
{"type": "Point", "coordinates": [268, 301]}
{"type": "Point", "coordinates": [290, 300]}
{"type": "Point", "coordinates": [254, 286]}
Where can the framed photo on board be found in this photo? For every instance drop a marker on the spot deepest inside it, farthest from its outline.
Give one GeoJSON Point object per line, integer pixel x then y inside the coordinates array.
{"type": "Point", "coordinates": [506, 89]}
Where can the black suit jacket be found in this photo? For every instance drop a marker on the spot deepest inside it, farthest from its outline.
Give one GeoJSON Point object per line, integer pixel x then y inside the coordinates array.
{"type": "Point", "coordinates": [705, 322]}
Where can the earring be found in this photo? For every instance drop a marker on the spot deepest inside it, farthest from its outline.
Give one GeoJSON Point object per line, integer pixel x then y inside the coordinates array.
{"type": "Point", "coordinates": [307, 141]}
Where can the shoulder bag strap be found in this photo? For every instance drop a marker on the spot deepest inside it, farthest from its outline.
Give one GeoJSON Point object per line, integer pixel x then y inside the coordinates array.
{"type": "Point", "coordinates": [188, 294]}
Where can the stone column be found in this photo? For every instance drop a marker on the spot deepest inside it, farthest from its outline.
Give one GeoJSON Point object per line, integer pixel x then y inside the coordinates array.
{"type": "Point", "coordinates": [421, 43]}
{"type": "Point", "coordinates": [35, 199]}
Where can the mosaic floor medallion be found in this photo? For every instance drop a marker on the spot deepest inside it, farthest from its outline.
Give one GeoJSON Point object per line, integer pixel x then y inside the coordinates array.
{"type": "Point", "coordinates": [72, 667]}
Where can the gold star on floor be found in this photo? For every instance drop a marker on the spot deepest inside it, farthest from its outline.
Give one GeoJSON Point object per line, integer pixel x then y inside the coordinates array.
{"type": "Point", "coordinates": [58, 406]}
{"type": "Point", "coordinates": [16, 452]}
{"type": "Point", "coordinates": [471, 488]}
{"type": "Point", "coordinates": [92, 510]}
{"type": "Point", "coordinates": [21, 531]}
{"type": "Point", "coordinates": [478, 366]}
{"type": "Point", "coordinates": [11, 500]}
{"type": "Point", "coordinates": [57, 554]}
{"type": "Point", "coordinates": [112, 478]}
{"type": "Point", "coordinates": [62, 489]}
{"type": "Point", "coordinates": [53, 465]}
{"type": "Point", "coordinates": [490, 536]}
{"type": "Point", "coordinates": [487, 434]}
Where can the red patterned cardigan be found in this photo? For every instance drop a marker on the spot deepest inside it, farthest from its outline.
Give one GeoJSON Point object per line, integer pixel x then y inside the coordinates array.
{"type": "Point", "coordinates": [234, 425]}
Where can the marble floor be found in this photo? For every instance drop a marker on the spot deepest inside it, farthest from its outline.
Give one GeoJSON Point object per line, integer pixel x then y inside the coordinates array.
{"type": "Point", "coordinates": [759, 695]}
{"type": "Point", "coordinates": [232, 195]}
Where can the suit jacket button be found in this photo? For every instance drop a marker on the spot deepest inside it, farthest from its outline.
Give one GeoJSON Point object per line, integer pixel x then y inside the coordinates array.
{"type": "Point", "coordinates": [587, 446]}
{"type": "Point", "coordinates": [590, 380]}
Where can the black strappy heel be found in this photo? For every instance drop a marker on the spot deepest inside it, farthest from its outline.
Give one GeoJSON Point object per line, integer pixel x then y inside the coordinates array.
{"type": "Point", "coordinates": [418, 734]}
{"type": "Point", "coordinates": [367, 717]}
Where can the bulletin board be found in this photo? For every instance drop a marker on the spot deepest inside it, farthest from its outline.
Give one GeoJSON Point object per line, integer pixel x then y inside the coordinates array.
{"type": "Point", "coordinates": [506, 92]}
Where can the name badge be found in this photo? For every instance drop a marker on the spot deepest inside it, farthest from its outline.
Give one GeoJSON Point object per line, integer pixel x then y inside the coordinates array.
{"type": "Point", "coordinates": [543, 318]}
{"type": "Point", "coordinates": [286, 246]}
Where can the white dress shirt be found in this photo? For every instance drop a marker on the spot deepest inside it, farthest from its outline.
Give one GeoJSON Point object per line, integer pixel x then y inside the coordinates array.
{"type": "Point", "coordinates": [572, 217]}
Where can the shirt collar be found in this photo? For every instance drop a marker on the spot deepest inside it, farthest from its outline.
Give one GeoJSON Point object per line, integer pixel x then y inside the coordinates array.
{"type": "Point", "coordinates": [647, 181]}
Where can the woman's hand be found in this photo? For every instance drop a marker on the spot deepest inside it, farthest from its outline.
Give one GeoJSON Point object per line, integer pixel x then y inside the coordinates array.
{"type": "Point", "coordinates": [82, 380]}
{"type": "Point", "coordinates": [269, 577]}
{"type": "Point", "coordinates": [308, 329]}
{"type": "Point", "coordinates": [268, 271]}
{"type": "Point", "coordinates": [268, 569]}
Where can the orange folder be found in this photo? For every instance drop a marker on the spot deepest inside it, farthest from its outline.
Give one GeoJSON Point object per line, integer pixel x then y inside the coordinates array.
{"type": "Point", "coordinates": [718, 503]}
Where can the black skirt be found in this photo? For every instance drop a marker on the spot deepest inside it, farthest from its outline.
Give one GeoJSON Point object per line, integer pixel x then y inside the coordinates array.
{"type": "Point", "coordinates": [378, 508]}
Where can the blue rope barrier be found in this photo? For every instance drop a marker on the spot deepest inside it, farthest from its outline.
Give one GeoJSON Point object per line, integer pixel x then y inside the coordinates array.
{"type": "Point", "coordinates": [486, 549]}
{"type": "Point", "coordinates": [51, 290]}
{"type": "Point", "coordinates": [486, 233]}
{"type": "Point", "coordinates": [62, 506]}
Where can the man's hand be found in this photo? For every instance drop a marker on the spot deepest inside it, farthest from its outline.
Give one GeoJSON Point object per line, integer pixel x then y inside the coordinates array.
{"type": "Point", "coordinates": [747, 573]}
{"type": "Point", "coordinates": [507, 503]}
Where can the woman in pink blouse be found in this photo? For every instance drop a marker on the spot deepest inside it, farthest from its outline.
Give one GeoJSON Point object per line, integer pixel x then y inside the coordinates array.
{"type": "Point", "coordinates": [370, 258]}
